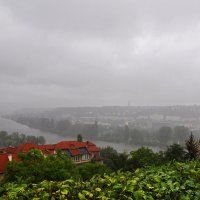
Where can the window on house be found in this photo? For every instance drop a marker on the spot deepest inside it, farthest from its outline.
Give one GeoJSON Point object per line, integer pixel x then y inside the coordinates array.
{"type": "Point", "coordinates": [76, 158]}
{"type": "Point", "coordinates": [85, 157]}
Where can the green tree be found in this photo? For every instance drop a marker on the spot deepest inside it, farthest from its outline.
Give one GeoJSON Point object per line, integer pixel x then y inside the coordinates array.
{"type": "Point", "coordinates": [88, 170]}
{"type": "Point", "coordinates": [122, 161]}
{"type": "Point", "coordinates": [15, 139]}
{"type": "Point", "coordinates": [34, 167]}
{"type": "Point", "coordinates": [110, 156]}
{"type": "Point", "coordinates": [63, 126]}
{"type": "Point", "coordinates": [40, 140]}
{"type": "Point", "coordinates": [136, 136]}
{"type": "Point", "coordinates": [31, 139]}
{"type": "Point", "coordinates": [181, 133]}
{"type": "Point", "coordinates": [113, 159]}
{"type": "Point", "coordinates": [22, 138]}
{"type": "Point", "coordinates": [3, 136]}
{"type": "Point", "coordinates": [143, 157]}
{"type": "Point", "coordinates": [191, 147]}
{"type": "Point", "coordinates": [175, 152]}
{"type": "Point", "coordinates": [90, 130]}
{"type": "Point", "coordinates": [79, 138]}
{"type": "Point", "coordinates": [164, 134]}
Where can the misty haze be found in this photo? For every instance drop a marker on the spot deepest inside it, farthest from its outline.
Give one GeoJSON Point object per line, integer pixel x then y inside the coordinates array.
{"type": "Point", "coordinates": [86, 54]}
{"type": "Point", "coordinates": [110, 83]}
{"type": "Point", "coordinates": [110, 71]}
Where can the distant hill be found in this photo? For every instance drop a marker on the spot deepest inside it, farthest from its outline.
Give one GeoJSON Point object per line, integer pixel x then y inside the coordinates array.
{"type": "Point", "coordinates": [192, 111]}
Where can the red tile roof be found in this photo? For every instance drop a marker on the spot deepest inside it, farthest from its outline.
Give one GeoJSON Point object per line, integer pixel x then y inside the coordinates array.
{"type": "Point", "coordinates": [47, 146]}
{"type": "Point", "coordinates": [72, 146]}
{"type": "Point", "coordinates": [26, 147]}
{"type": "Point", "coordinates": [15, 157]}
{"type": "Point", "coordinates": [69, 145]}
{"type": "Point", "coordinates": [93, 149]}
{"type": "Point", "coordinates": [8, 150]}
{"type": "Point", "coordinates": [75, 145]}
{"type": "Point", "coordinates": [3, 162]}
{"type": "Point", "coordinates": [75, 152]}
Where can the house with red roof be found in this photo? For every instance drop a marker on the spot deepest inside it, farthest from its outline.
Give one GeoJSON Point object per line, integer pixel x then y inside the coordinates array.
{"type": "Point", "coordinates": [80, 152]}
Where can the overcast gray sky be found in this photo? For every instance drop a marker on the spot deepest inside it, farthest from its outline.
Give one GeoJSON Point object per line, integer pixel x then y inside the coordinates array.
{"type": "Point", "coordinates": [96, 53]}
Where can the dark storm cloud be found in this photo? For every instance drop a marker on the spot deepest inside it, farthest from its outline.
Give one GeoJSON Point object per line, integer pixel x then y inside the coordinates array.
{"type": "Point", "coordinates": [74, 53]}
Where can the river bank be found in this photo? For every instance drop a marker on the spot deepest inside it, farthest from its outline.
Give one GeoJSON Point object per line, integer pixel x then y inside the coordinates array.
{"type": "Point", "coordinates": [12, 126]}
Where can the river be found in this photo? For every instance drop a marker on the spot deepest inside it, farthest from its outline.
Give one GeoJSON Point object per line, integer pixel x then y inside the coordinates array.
{"type": "Point", "coordinates": [11, 126]}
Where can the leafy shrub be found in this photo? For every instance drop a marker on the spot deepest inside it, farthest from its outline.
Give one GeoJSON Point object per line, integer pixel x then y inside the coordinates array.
{"type": "Point", "coordinates": [176, 181]}
{"type": "Point", "coordinates": [87, 170]}
{"type": "Point", "coordinates": [34, 167]}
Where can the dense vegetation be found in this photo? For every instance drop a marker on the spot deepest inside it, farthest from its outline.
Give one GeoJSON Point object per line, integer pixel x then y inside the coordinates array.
{"type": "Point", "coordinates": [34, 167]}
{"type": "Point", "coordinates": [142, 174]}
{"type": "Point", "coordinates": [176, 181]}
{"type": "Point", "coordinates": [65, 127]}
{"type": "Point", "coordinates": [15, 139]}
{"type": "Point", "coordinates": [144, 156]}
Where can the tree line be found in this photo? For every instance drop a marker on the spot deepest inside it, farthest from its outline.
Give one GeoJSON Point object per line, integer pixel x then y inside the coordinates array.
{"type": "Point", "coordinates": [15, 139]}
{"type": "Point", "coordinates": [63, 127]}
{"type": "Point", "coordinates": [144, 156]}
{"type": "Point", "coordinates": [34, 167]}
{"type": "Point", "coordinates": [161, 137]}
{"type": "Point", "coordinates": [136, 136]}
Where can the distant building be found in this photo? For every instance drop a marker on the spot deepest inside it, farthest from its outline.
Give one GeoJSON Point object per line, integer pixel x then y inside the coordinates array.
{"type": "Point", "coordinates": [80, 152]}
{"type": "Point", "coordinates": [173, 118]}
{"type": "Point", "coordinates": [158, 125]}
{"type": "Point", "coordinates": [157, 117]}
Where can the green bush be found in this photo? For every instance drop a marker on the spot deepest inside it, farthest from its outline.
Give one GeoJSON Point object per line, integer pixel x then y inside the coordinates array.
{"type": "Point", "coordinates": [86, 171]}
{"type": "Point", "coordinates": [176, 181]}
{"type": "Point", "coordinates": [143, 157]}
{"type": "Point", "coordinates": [34, 168]}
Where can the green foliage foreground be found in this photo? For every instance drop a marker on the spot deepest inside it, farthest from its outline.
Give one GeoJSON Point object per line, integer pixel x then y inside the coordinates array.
{"type": "Point", "coordinates": [177, 181]}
